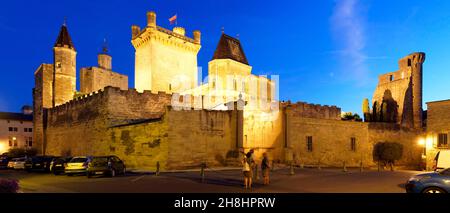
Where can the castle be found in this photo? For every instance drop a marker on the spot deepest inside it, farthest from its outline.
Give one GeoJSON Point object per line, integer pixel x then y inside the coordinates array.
{"type": "Point", "coordinates": [172, 119]}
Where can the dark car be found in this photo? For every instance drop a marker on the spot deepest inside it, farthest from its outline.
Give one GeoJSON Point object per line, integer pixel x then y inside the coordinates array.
{"type": "Point", "coordinates": [106, 166]}
{"type": "Point", "coordinates": [433, 182]}
{"type": "Point", "coordinates": [4, 160]}
{"type": "Point", "coordinates": [58, 165]}
{"type": "Point", "coordinates": [38, 163]}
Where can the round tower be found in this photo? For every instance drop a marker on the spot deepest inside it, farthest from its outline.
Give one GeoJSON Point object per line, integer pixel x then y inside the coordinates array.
{"type": "Point", "coordinates": [417, 60]}
{"type": "Point", "coordinates": [151, 19]}
{"type": "Point", "coordinates": [64, 68]}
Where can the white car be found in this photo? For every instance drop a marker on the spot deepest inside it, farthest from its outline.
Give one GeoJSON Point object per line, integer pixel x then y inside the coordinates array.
{"type": "Point", "coordinates": [442, 160]}
{"type": "Point", "coordinates": [17, 163]}
{"type": "Point", "coordinates": [20, 163]}
{"type": "Point", "coordinates": [78, 165]}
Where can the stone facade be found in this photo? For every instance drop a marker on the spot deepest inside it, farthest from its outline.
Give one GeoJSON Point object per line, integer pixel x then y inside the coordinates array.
{"type": "Point", "coordinates": [398, 96]}
{"type": "Point", "coordinates": [438, 130]}
{"type": "Point", "coordinates": [165, 60]}
{"type": "Point", "coordinates": [97, 78]}
{"type": "Point", "coordinates": [183, 127]}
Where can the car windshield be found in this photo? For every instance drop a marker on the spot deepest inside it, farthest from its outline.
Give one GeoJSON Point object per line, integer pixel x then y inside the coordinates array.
{"type": "Point", "coordinates": [78, 160]}
{"type": "Point", "coordinates": [100, 160]}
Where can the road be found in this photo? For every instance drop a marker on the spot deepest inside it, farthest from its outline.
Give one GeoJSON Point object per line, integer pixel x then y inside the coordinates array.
{"type": "Point", "coordinates": [304, 180]}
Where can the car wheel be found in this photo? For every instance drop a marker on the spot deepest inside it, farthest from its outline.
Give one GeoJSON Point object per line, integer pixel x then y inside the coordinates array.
{"type": "Point", "coordinates": [433, 190]}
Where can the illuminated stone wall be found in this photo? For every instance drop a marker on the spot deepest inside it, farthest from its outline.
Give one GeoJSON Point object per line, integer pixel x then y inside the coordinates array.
{"type": "Point", "coordinates": [164, 58]}
{"type": "Point", "coordinates": [402, 89]}
{"type": "Point", "coordinates": [96, 78]}
{"type": "Point", "coordinates": [42, 99]}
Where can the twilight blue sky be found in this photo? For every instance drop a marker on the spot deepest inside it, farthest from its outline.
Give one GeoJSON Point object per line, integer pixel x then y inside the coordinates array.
{"type": "Point", "coordinates": [325, 51]}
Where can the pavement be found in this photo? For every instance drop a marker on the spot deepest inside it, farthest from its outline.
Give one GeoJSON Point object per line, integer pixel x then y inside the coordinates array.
{"type": "Point", "coordinates": [218, 180]}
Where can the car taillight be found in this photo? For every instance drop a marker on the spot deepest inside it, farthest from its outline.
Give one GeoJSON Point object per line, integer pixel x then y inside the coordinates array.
{"type": "Point", "coordinates": [65, 165]}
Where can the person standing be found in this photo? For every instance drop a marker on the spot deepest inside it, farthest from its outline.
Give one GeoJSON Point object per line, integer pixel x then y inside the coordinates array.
{"type": "Point", "coordinates": [265, 169]}
{"type": "Point", "coordinates": [251, 164]}
{"type": "Point", "coordinates": [247, 172]}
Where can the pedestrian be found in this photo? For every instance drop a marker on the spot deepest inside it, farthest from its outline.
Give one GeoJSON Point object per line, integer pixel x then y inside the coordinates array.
{"type": "Point", "coordinates": [265, 169]}
{"type": "Point", "coordinates": [251, 163]}
{"type": "Point", "coordinates": [247, 172]}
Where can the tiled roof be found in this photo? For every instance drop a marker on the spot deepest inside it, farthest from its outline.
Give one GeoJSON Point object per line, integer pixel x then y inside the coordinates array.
{"type": "Point", "coordinates": [15, 116]}
{"type": "Point", "coordinates": [64, 38]}
{"type": "Point", "coordinates": [230, 48]}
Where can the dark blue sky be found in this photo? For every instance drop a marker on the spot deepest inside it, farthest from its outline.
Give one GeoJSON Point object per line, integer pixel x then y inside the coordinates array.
{"type": "Point", "coordinates": [325, 52]}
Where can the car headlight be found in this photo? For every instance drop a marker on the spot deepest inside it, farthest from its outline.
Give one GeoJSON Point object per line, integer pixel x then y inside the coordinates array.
{"type": "Point", "coordinates": [418, 178]}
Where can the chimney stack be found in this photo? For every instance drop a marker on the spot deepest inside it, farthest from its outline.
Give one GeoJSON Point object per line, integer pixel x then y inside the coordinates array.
{"type": "Point", "coordinates": [197, 36]}
{"type": "Point", "coordinates": [151, 19]}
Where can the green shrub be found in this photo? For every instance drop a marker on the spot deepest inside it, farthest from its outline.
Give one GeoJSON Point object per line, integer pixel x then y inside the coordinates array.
{"type": "Point", "coordinates": [387, 153]}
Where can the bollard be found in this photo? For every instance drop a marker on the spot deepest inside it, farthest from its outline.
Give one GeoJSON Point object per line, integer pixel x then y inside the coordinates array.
{"type": "Point", "coordinates": [273, 166]}
{"type": "Point", "coordinates": [157, 168]}
{"type": "Point", "coordinates": [361, 168]}
{"type": "Point", "coordinates": [302, 165]}
{"type": "Point", "coordinates": [292, 172]}
{"type": "Point", "coordinates": [256, 176]}
{"type": "Point", "coordinates": [202, 172]}
{"type": "Point", "coordinates": [320, 168]}
{"type": "Point", "coordinates": [344, 169]}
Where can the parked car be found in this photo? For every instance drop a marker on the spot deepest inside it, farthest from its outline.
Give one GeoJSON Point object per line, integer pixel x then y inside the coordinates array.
{"type": "Point", "coordinates": [58, 165]}
{"type": "Point", "coordinates": [38, 163]}
{"type": "Point", "coordinates": [20, 163]}
{"type": "Point", "coordinates": [106, 166]}
{"type": "Point", "coordinates": [442, 160]}
{"type": "Point", "coordinates": [4, 162]}
{"type": "Point", "coordinates": [77, 165]}
{"type": "Point", "coordinates": [433, 182]}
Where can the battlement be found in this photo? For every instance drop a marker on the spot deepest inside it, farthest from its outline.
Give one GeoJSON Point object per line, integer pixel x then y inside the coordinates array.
{"type": "Point", "coordinates": [308, 110]}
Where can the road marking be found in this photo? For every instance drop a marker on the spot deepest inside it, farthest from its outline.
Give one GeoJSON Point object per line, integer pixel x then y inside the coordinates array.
{"type": "Point", "coordinates": [138, 178]}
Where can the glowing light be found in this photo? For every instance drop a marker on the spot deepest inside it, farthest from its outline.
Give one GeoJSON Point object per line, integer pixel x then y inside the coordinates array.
{"type": "Point", "coordinates": [422, 142]}
{"type": "Point", "coordinates": [429, 142]}
{"type": "Point", "coordinates": [3, 148]}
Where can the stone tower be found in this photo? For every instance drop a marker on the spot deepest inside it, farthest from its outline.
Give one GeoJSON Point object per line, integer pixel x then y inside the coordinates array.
{"type": "Point", "coordinates": [417, 60]}
{"type": "Point", "coordinates": [165, 60]}
{"type": "Point", "coordinates": [64, 71]}
{"type": "Point", "coordinates": [400, 93]}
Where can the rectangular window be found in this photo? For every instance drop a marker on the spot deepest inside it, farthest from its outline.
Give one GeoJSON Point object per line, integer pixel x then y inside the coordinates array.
{"type": "Point", "coordinates": [10, 141]}
{"type": "Point", "coordinates": [25, 129]}
{"type": "Point", "coordinates": [11, 129]}
{"type": "Point", "coordinates": [442, 140]}
{"type": "Point", "coordinates": [309, 143]}
{"type": "Point", "coordinates": [15, 129]}
{"type": "Point", "coordinates": [29, 141]}
{"type": "Point", "coordinates": [353, 144]}
{"type": "Point", "coordinates": [15, 142]}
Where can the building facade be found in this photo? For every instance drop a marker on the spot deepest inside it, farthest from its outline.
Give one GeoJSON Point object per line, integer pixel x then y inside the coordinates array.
{"type": "Point", "coordinates": [16, 130]}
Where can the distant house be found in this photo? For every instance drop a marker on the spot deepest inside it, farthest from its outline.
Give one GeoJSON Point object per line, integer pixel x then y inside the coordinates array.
{"type": "Point", "coordinates": [16, 129]}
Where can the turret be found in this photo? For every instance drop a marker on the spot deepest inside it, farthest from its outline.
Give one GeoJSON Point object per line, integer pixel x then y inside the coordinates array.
{"type": "Point", "coordinates": [104, 59]}
{"type": "Point", "coordinates": [151, 19]}
{"type": "Point", "coordinates": [64, 71]}
{"type": "Point", "coordinates": [197, 36]}
{"type": "Point", "coordinates": [417, 60]}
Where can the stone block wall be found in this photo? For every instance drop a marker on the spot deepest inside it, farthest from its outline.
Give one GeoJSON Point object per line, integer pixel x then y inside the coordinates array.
{"type": "Point", "coordinates": [94, 78]}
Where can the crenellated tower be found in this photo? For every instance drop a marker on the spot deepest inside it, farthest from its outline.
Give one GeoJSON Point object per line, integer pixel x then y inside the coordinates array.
{"type": "Point", "coordinates": [165, 60]}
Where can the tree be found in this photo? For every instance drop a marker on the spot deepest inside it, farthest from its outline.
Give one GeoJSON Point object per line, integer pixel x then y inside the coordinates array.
{"type": "Point", "coordinates": [349, 116]}
{"type": "Point", "coordinates": [366, 110]}
{"type": "Point", "coordinates": [387, 153]}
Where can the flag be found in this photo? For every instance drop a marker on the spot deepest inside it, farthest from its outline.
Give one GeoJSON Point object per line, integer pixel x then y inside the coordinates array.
{"type": "Point", "coordinates": [173, 19]}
